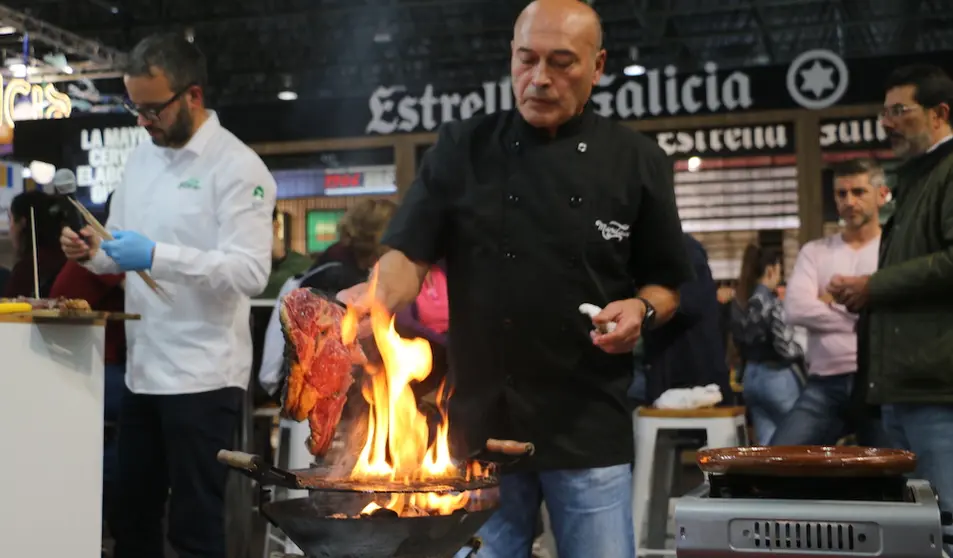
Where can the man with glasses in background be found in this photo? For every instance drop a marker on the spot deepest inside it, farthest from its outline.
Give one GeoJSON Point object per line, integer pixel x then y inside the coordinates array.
{"type": "Point", "coordinates": [194, 210]}
{"type": "Point", "coordinates": [909, 299]}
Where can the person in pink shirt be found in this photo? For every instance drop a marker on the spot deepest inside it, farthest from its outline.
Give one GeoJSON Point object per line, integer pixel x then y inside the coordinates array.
{"type": "Point", "coordinates": [825, 412]}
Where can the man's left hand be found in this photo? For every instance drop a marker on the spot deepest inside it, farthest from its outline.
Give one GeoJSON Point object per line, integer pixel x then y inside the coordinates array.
{"type": "Point", "coordinates": [130, 250]}
{"type": "Point", "coordinates": [852, 292]}
{"type": "Point", "coordinates": [627, 315]}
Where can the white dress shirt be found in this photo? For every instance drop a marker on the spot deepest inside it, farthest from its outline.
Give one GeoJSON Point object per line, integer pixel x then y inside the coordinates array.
{"type": "Point", "coordinates": [208, 208]}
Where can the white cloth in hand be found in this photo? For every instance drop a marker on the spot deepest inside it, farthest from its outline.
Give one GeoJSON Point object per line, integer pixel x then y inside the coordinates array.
{"type": "Point", "coordinates": [690, 398]}
{"type": "Point", "coordinates": [592, 311]}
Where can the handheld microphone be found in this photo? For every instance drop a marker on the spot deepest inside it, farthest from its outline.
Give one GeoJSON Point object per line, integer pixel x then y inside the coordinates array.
{"type": "Point", "coordinates": [64, 184]}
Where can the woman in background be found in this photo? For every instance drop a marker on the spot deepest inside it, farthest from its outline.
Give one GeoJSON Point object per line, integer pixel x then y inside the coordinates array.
{"type": "Point", "coordinates": [772, 359]}
{"type": "Point", "coordinates": [49, 256]}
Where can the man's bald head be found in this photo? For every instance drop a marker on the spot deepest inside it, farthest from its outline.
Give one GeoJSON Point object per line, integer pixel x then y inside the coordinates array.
{"type": "Point", "coordinates": [557, 58]}
{"type": "Point", "coordinates": [577, 15]}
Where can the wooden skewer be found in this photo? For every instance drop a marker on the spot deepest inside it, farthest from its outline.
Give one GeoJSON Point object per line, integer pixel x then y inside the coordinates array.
{"type": "Point", "coordinates": [106, 235]}
{"type": "Point", "coordinates": [36, 271]}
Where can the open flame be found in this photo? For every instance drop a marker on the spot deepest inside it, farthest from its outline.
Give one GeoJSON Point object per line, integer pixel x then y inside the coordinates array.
{"type": "Point", "coordinates": [396, 448]}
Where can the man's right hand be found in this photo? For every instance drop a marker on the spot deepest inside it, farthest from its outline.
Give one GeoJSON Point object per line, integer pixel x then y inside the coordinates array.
{"type": "Point", "coordinates": [79, 247]}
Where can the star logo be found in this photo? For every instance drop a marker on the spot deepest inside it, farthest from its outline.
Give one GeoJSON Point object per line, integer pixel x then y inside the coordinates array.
{"type": "Point", "coordinates": [817, 79]}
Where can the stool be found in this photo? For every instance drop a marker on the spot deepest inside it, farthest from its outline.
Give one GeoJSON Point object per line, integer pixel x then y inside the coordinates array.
{"type": "Point", "coordinates": [724, 426]}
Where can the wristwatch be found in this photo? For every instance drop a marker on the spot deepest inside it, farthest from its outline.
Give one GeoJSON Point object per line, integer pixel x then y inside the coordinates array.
{"type": "Point", "coordinates": [648, 320]}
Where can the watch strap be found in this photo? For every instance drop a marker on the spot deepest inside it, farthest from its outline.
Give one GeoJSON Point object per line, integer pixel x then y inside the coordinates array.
{"type": "Point", "coordinates": [648, 321]}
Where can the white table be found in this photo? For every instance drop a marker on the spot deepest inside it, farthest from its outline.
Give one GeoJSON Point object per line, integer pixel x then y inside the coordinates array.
{"type": "Point", "coordinates": [51, 432]}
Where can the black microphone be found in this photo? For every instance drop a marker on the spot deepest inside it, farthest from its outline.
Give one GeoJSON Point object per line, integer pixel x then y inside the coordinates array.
{"type": "Point", "coordinates": [64, 183]}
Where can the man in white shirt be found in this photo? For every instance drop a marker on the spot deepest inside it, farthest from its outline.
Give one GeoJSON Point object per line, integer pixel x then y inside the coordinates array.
{"type": "Point", "coordinates": [194, 210]}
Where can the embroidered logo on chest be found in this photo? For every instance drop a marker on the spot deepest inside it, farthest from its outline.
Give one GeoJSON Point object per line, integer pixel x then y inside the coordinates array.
{"type": "Point", "coordinates": [613, 230]}
{"type": "Point", "coordinates": [190, 184]}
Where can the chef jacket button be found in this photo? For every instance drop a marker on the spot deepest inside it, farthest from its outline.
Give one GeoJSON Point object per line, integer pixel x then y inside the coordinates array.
{"type": "Point", "coordinates": [575, 201]}
{"type": "Point", "coordinates": [896, 330]}
{"type": "Point", "coordinates": [516, 146]}
{"type": "Point", "coordinates": [509, 255]}
{"type": "Point", "coordinates": [513, 198]}
{"type": "Point", "coordinates": [582, 147]}
{"type": "Point", "coordinates": [507, 323]}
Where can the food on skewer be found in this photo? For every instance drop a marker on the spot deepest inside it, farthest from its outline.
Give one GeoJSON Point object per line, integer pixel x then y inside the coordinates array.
{"type": "Point", "coordinates": [318, 364]}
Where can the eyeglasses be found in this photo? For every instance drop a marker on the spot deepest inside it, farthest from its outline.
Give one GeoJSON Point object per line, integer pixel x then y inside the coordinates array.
{"type": "Point", "coordinates": [152, 112]}
{"type": "Point", "coordinates": [896, 111]}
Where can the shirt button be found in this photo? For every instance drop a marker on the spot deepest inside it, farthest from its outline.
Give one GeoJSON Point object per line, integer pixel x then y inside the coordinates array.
{"type": "Point", "coordinates": [513, 198]}
{"type": "Point", "coordinates": [509, 256]}
{"type": "Point", "coordinates": [575, 201]}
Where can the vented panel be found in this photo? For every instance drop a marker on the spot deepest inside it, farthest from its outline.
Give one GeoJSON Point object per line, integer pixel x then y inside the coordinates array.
{"type": "Point", "coordinates": [805, 536]}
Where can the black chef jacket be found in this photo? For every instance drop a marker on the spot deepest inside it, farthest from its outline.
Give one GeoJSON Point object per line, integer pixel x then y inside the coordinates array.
{"type": "Point", "coordinates": [531, 227]}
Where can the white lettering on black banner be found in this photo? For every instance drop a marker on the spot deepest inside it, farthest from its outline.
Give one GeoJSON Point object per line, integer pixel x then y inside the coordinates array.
{"type": "Point", "coordinates": [720, 140]}
{"type": "Point", "coordinates": [660, 92]}
{"type": "Point", "coordinates": [107, 151]}
{"type": "Point", "coordinates": [853, 132]}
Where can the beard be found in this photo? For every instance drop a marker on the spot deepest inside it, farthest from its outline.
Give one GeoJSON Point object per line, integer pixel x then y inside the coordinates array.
{"type": "Point", "coordinates": [909, 146]}
{"type": "Point", "coordinates": [177, 134]}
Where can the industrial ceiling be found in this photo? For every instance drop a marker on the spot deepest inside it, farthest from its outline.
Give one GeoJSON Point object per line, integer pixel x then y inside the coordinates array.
{"type": "Point", "coordinates": [332, 49]}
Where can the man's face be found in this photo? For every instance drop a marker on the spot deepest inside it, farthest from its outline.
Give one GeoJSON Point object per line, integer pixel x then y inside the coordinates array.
{"type": "Point", "coordinates": [555, 64]}
{"type": "Point", "coordinates": [164, 113]}
{"type": "Point", "coordinates": [907, 123]}
{"type": "Point", "coordinates": [858, 201]}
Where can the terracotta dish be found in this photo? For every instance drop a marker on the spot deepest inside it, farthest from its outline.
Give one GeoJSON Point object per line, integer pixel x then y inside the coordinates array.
{"type": "Point", "coordinates": [807, 461]}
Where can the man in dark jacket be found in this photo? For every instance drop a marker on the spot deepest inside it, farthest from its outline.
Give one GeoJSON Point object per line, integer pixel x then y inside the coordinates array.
{"type": "Point", "coordinates": [909, 299]}
{"type": "Point", "coordinates": [689, 350]}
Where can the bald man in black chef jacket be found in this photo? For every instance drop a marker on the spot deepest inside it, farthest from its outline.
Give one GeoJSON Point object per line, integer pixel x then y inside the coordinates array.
{"type": "Point", "coordinates": [537, 211]}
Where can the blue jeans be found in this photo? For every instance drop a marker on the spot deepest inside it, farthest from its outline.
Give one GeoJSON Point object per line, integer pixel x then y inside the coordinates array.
{"type": "Point", "coordinates": [637, 388]}
{"type": "Point", "coordinates": [590, 511]}
{"type": "Point", "coordinates": [825, 413]}
{"type": "Point", "coordinates": [925, 430]}
{"type": "Point", "coordinates": [770, 392]}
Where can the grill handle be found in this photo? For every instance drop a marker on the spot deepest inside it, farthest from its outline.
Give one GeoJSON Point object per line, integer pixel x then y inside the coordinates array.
{"type": "Point", "coordinates": [257, 468]}
{"type": "Point", "coordinates": [503, 452]}
{"type": "Point", "coordinates": [240, 460]}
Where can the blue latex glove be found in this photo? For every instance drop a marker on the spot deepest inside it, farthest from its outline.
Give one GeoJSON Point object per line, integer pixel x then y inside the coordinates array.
{"type": "Point", "coordinates": [130, 250]}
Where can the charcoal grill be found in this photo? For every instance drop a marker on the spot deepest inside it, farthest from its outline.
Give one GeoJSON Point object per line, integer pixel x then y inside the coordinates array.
{"type": "Point", "coordinates": [327, 523]}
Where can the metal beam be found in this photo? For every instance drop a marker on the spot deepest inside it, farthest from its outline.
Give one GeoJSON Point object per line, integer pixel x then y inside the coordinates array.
{"type": "Point", "coordinates": [70, 43]}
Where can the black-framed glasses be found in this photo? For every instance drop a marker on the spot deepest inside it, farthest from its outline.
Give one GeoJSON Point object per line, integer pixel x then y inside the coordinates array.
{"type": "Point", "coordinates": [152, 112]}
{"type": "Point", "coordinates": [896, 111]}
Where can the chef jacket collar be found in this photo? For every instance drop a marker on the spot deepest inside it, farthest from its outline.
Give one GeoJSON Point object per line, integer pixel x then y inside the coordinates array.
{"type": "Point", "coordinates": [576, 125]}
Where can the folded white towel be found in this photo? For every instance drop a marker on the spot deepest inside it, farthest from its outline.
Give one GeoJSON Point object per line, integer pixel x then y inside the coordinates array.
{"type": "Point", "coordinates": [690, 398]}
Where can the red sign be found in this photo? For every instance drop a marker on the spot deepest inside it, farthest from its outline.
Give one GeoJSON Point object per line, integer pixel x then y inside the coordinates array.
{"type": "Point", "coordinates": [349, 180]}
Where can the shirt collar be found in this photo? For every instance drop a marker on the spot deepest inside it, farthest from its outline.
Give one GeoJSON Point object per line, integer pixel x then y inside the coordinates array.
{"type": "Point", "coordinates": [939, 143]}
{"type": "Point", "coordinates": [204, 134]}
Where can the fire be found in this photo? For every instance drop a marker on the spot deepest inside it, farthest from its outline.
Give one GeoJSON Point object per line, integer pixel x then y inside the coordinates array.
{"type": "Point", "coordinates": [396, 448]}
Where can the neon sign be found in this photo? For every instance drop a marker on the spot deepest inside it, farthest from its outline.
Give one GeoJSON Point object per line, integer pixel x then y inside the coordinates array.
{"type": "Point", "coordinates": [43, 101]}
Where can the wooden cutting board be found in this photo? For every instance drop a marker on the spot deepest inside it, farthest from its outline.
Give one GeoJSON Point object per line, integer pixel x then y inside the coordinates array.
{"type": "Point", "coordinates": [67, 316]}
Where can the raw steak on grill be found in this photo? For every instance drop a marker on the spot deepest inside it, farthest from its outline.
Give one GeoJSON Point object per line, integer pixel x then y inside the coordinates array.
{"type": "Point", "coordinates": [319, 364]}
